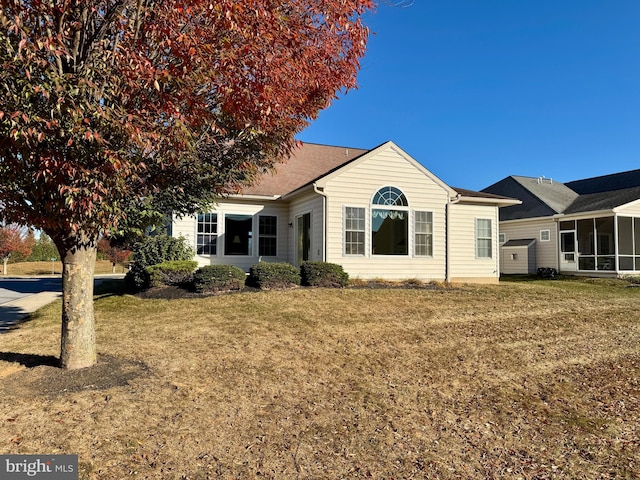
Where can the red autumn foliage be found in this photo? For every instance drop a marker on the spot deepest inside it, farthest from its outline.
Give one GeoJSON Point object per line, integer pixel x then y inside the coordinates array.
{"type": "Point", "coordinates": [114, 253]}
{"type": "Point", "coordinates": [109, 103]}
{"type": "Point", "coordinates": [14, 239]}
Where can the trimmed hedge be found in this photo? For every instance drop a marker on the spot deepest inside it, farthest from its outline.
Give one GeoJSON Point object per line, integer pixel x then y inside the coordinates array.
{"type": "Point", "coordinates": [265, 275]}
{"type": "Point", "coordinates": [176, 272]}
{"type": "Point", "coordinates": [218, 278]}
{"type": "Point", "coordinates": [323, 274]}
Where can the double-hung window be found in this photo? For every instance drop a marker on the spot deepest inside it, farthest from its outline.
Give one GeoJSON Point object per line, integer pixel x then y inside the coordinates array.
{"type": "Point", "coordinates": [354, 230]}
{"type": "Point", "coordinates": [483, 238]}
{"type": "Point", "coordinates": [267, 235]}
{"type": "Point", "coordinates": [207, 235]}
{"type": "Point", "coordinates": [423, 234]}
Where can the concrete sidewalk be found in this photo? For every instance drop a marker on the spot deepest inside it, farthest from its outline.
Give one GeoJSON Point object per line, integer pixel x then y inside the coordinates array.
{"type": "Point", "coordinates": [11, 313]}
{"type": "Point", "coordinates": [25, 295]}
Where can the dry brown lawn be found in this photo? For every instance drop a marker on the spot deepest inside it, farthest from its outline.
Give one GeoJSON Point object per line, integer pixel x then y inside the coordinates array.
{"type": "Point", "coordinates": [55, 268]}
{"type": "Point", "coordinates": [529, 380]}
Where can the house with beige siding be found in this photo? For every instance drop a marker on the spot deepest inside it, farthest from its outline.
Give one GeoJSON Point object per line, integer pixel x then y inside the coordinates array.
{"type": "Point", "coordinates": [589, 226]}
{"type": "Point", "coordinates": [379, 213]}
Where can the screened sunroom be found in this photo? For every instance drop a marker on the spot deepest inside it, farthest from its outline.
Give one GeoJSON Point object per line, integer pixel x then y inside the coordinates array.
{"type": "Point", "coordinates": [608, 244]}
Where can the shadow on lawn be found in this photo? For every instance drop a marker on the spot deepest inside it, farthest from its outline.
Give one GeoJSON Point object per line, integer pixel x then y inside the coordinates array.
{"type": "Point", "coordinates": [30, 360]}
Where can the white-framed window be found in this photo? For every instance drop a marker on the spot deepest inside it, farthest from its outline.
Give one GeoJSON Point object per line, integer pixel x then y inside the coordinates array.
{"type": "Point", "coordinates": [483, 238]}
{"type": "Point", "coordinates": [354, 230]}
{"type": "Point", "coordinates": [502, 238]}
{"type": "Point", "coordinates": [423, 234]}
{"type": "Point", "coordinates": [207, 234]}
{"type": "Point", "coordinates": [238, 234]}
{"type": "Point", "coordinates": [389, 222]}
{"type": "Point", "coordinates": [267, 235]}
{"type": "Point", "coordinates": [545, 235]}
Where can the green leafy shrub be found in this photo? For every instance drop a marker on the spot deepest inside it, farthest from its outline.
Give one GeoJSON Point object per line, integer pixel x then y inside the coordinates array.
{"type": "Point", "coordinates": [152, 251]}
{"type": "Point", "coordinates": [265, 275]}
{"type": "Point", "coordinates": [323, 274]}
{"type": "Point", "coordinates": [137, 278]}
{"type": "Point", "coordinates": [218, 278]}
{"type": "Point", "coordinates": [174, 272]}
{"type": "Point", "coordinates": [161, 248]}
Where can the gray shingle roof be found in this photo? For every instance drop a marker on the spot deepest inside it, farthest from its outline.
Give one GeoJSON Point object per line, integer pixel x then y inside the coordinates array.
{"type": "Point", "coordinates": [606, 183]}
{"type": "Point", "coordinates": [555, 194]}
{"type": "Point", "coordinates": [603, 200]}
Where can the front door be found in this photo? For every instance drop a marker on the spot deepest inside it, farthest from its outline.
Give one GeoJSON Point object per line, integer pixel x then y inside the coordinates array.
{"type": "Point", "coordinates": [303, 233]}
{"type": "Point", "coordinates": [568, 257]}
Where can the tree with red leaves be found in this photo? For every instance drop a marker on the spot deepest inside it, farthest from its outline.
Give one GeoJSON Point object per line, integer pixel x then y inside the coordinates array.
{"type": "Point", "coordinates": [14, 239]}
{"type": "Point", "coordinates": [113, 103]}
{"type": "Point", "coordinates": [115, 253]}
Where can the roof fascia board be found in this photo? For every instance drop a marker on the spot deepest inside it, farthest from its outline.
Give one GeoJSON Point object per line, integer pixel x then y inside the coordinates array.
{"type": "Point", "coordinates": [321, 182]}
{"type": "Point", "coordinates": [529, 220]}
{"type": "Point", "coordinates": [240, 196]}
{"type": "Point", "coordinates": [490, 201]}
{"type": "Point", "coordinates": [583, 215]}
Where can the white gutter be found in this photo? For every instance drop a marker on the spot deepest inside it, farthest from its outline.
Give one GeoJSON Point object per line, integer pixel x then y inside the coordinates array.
{"type": "Point", "coordinates": [488, 201]}
{"type": "Point", "coordinates": [317, 190]}
{"type": "Point", "coordinates": [447, 242]}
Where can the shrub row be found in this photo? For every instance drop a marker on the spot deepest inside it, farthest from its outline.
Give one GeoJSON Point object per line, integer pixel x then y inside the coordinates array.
{"type": "Point", "coordinates": [219, 278]}
{"type": "Point", "coordinates": [164, 260]}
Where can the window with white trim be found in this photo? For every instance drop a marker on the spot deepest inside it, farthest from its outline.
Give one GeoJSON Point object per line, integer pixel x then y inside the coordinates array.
{"type": "Point", "coordinates": [483, 238]}
{"type": "Point", "coordinates": [545, 235]}
{"type": "Point", "coordinates": [267, 235]}
{"type": "Point", "coordinates": [207, 234]}
{"type": "Point", "coordinates": [238, 234]}
{"type": "Point", "coordinates": [354, 230]}
{"type": "Point", "coordinates": [423, 234]}
{"type": "Point", "coordinates": [389, 222]}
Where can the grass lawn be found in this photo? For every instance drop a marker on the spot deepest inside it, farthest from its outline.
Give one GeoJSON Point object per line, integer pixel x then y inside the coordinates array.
{"type": "Point", "coordinates": [49, 268]}
{"type": "Point", "coordinates": [524, 380]}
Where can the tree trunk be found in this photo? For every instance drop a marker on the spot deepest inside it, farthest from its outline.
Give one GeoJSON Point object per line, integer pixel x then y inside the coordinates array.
{"type": "Point", "coordinates": [4, 265]}
{"type": "Point", "coordinates": [78, 341]}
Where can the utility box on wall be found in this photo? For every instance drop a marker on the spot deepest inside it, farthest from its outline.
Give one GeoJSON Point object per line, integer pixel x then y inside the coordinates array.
{"type": "Point", "coordinates": [518, 257]}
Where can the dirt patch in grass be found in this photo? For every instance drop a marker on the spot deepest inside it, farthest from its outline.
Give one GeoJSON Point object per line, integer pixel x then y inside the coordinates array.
{"type": "Point", "coordinates": [530, 380]}
{"type": "Point", "coordinates": [41, 376]}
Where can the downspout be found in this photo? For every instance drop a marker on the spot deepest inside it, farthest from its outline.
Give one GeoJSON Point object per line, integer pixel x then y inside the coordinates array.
{"type": "Point", "coordinates": [324, 220]}
{"type": "Point", "coordinates": [447, 252]}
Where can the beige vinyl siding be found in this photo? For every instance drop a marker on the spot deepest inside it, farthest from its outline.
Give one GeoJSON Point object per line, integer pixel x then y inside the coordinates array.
{"type": "Point", "coordinates": [187, 228]}
{"type": "Point", "coordinates": [356, 186]}
{"type": "Point", "coordinates": [546, 252]}
{"type": "Point", "coordinates": [464, 263]}
{"type": "Point", "coordinates": [517, 260]}
{"type": "Point", "coordinates": [309, 202]}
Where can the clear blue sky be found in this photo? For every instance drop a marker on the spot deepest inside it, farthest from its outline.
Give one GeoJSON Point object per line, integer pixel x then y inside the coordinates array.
{"type": "Point", "coordinates": [477, 90]}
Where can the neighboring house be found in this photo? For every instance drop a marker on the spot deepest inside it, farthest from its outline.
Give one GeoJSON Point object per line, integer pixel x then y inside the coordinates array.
{"type": "Point", "coordinates": [589, 226]}
{"type": "Point", "coordinates": [378, 213]}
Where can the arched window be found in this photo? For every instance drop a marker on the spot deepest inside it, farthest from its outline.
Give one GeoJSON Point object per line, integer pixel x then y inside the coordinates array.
{"type": "Point", "coordinates": [390, 196]}
{"type": "Point", "coordinates": [389, 222]}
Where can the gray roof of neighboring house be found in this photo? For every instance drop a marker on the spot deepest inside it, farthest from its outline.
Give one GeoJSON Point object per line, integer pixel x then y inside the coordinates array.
{"type": "Point", "coordinates": [606, 183]}
{"type": "Point", "coordinates": [555, 194]}
{"type": "Point", "coordinates": [603, 200]}
{"type": "Point", "coordinates": [543, 197]}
